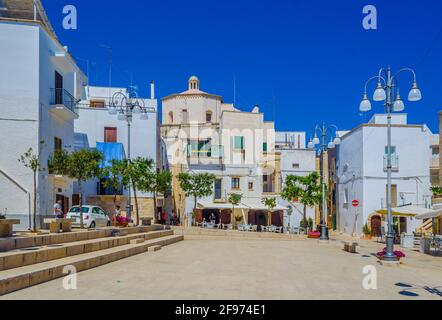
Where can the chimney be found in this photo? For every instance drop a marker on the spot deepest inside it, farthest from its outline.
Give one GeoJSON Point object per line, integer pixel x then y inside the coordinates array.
{"type": "Point", "coordinates": [152, 90]}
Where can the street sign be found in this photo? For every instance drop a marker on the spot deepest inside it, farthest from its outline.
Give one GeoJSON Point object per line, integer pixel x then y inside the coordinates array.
{"type": "Point", "coordinates": [355, 203]}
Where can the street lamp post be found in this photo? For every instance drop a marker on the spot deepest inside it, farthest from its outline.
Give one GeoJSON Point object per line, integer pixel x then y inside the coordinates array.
{"type": "Point", "coordinates": [386, 90]}
{"type": "Point", "coordinates": [125, 106]}
{"type": "Point", "coordinates": [324, 130]}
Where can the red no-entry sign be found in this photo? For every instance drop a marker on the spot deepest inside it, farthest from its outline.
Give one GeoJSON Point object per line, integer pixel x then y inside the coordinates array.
{"type": "Point", "coordinates": [355, 203]}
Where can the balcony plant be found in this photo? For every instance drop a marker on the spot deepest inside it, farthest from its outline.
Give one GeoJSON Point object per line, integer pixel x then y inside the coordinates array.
{"type": "Point", "coordinates": [2, 216]}
{"type": "Point", "coordinates": [437, 191]}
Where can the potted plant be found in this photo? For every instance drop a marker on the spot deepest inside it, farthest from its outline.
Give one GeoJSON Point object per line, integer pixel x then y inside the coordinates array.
{"type": "Point", "coordinates": [399, 254]}
{"type": "Point", "coordinates": [367, 232]}
{"type": "Point", "coordinates": [121, 221]}
{"type": "Point", "coordinates": [238, 219]}
{"type": "Point", "coordinates": [437, 191]}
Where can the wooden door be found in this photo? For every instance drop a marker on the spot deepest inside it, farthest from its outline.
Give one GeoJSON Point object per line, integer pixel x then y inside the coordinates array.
{"type": "Point", "coordinates": [110, 135]}
{"type": "Point", "coordinates": [376, 223]}
{"type": "Point", "coordinates": [75, 199]}
{"type": "Point", "coordinates": [393, 196]}
{"type": "Point", "coordinates": [65, 205]}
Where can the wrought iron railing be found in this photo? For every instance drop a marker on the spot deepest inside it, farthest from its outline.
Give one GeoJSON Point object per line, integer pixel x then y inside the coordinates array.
{"type": "Point", "coordinates": [60, 96]}
{"type": "Point", "coordinates": [394, 162]}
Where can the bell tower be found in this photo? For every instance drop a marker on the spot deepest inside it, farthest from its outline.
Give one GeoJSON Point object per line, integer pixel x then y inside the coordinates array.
{"type": "Point", "coordinates": [194, 83]}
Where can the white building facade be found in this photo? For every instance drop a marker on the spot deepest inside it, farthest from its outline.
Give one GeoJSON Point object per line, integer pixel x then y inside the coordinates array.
{"type": "Point", "coordinates": [362, 173]}
{"type": "Point", "coordinates": [39, 86]}
{"type": "Point", "coordinates": [203, 134]}
{"type": "Point", "coordinates": [96, 128]}
{"type": "Point", "coordinates": [296, 160]}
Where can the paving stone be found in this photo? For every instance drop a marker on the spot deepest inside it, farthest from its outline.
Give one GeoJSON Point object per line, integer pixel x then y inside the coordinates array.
{"type": "Point", "coordinates": [13, 261]}
{"type": "Point", "coordinates": [136, 241]}
{"type": "Point", "coordinates": [56, 253]}
{"type": "Point", "coordinates": [75, 250]}
{"type": "Point", "coordinates": [7, 244]}
{"type": "Point", "coordinates": [91, 247]}
{"type": "Point", "coordinates": [26, 242]}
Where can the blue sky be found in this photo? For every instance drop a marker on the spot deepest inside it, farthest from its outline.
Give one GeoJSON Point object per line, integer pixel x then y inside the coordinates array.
{"type": "Point", "coordinates": [302, 61]}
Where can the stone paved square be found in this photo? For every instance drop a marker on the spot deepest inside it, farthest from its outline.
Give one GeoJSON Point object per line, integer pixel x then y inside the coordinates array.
{"type": "Point", "coordinates": [238, 269]}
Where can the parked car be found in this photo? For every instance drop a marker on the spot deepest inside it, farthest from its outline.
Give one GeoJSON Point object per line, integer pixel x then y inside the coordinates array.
{"type": "Point", "coordinates": [93, 217]}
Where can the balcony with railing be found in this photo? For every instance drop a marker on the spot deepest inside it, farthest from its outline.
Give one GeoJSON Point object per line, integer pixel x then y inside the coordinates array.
{"type": "Point", "coordinates": [63, 104]}
{"type": "Point", "coordinates": [394, 162]}
{"type": "Point", "coordinates": [207, 151]}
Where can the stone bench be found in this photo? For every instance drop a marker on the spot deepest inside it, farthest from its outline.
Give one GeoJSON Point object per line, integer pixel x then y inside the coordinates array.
{"type": "Point", "coordinates": [6, 227]}
{"type": "Point", "coordinates": [146, 221]}
{"type": "Point", "coordinates": [57, 225]}
{"type": "Point", "coordinates": [350, 247]}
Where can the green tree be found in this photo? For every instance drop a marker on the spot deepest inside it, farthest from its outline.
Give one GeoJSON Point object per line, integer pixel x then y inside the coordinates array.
{"type": "Point", "coordinates": [307, 190]}
{"type": "Point", "coordinates": [32, 161]}
{"type": "Point", "coordinates": [156, 183]}
{"type": "Point", "coordinates": [235, 199]}
{"type": "Point", "coordinates": [80, 165]}
{"type": "Point", "coordinates": [134, 173]}
{"type": "Point", "coordinates": [113, 180]}
{"type": "Point", "coordinates": [197, 185]}
{"type": "Point", "coordinates": [270, 203]}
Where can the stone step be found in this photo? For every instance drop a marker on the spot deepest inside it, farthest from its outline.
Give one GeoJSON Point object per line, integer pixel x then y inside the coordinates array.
{"type": "Point", "coordinates": [29, 256]}
{"type": "Point", "coordinates": [154, 248]}
{"type": "Point", "coordinates": [23, 277]}
{"type": "Point", "coordinates": [22, 242]}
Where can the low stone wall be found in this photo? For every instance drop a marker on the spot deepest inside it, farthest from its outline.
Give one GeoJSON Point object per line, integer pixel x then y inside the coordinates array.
{"type": "Point", "coordinates": [200, 233]}
{"type": "Point", "coordinates": [145, 205]}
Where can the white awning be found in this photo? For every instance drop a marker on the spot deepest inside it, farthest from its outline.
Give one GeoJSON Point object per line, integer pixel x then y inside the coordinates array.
{"type": "Point", "coordinates": [203, 204]}
{"type": "Point", "coordinates": [256, 204]}
{"type": "Point", "coordinates": [246, 204]}
{"type": "Point", "coordinates": [430, 214]}
{"type": "Point", "coordinates": [420, 213]}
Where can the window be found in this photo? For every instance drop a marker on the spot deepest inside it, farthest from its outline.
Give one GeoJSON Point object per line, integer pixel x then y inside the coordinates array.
{"type": "Point", "coordinates": [236, 183]}
{"type": "Point", "coordinates": [296, 165]}
{"type": "Point", "coordinates": [58, 144]}
{"type": "Point", "coordinates": [393, 150]}
{"type": "Point", "coordinates": [394, 194]}
{"type": "Point", "coordinates": [58, 88]}
{"type": "Point", "coordinates": [238, 143]}
{"type": "Point", "coordinates": [170, 117]}
{"type": "Point", "coordinates": [268, 184]}
{"type": "Point", "coordinates": [218, 189]}
{"type": "Point", "coordinates": [97, 104]}
{"type": "Point", "coordinates": [264, 147]}
{"type": "Point", "coordinates": [209, 116]}
{"type": "Point", "coordinates": [346, 196]}
{"type": "Point", "coordinates": [185, 116]}
{"type": "Point", "coordinates": [250, 186]}
{"type": "Point", "coordinates": [110, 135]}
